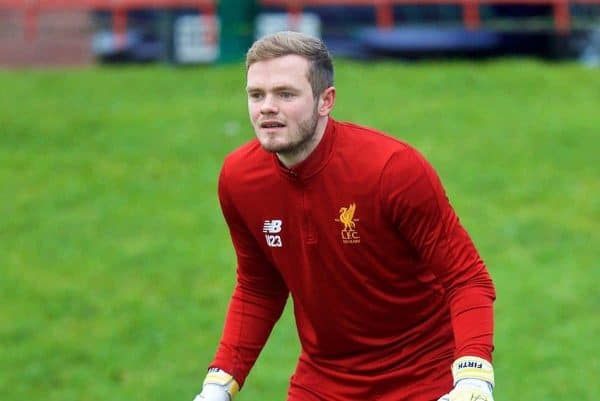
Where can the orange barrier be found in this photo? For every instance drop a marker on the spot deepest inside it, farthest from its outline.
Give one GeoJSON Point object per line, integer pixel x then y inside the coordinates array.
{"type": "Point", "coordinates": [118, 8]}
{"type": "Point", "coordinates": [471, 18]}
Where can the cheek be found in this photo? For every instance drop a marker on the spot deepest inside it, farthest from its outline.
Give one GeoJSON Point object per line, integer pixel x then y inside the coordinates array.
{"type": "Point", "coordinates": [297, 112]}
{"type": "Point", "coordinates": [307, 108]}
{"type": "Point", "coordinates": [253, 111]}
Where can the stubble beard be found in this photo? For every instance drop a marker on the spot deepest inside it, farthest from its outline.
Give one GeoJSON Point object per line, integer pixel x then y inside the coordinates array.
{"type": "Point", "coordinates": [305, 135]}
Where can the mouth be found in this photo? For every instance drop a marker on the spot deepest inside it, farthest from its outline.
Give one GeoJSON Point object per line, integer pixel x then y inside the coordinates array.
{"type": "Point", "coordinates": [271, 125]}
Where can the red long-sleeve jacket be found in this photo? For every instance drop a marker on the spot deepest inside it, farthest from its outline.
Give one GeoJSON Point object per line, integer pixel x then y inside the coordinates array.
{"type": "Point", "coordinates": [361, 234]}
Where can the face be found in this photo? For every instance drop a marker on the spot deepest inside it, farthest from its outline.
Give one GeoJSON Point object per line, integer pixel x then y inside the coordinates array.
{"type": "Point", "coordinates": [282, 108]}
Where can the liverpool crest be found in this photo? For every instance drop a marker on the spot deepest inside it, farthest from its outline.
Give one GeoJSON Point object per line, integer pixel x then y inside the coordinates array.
{"type": "Point", "coordinates": [349, 233]}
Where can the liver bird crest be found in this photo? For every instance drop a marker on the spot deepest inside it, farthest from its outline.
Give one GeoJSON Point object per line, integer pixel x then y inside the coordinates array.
{"type": "Point", "coordinates": [347, 217]}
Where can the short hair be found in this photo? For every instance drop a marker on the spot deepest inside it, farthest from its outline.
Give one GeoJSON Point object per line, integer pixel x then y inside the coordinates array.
{"type": "Point", "coordinates": [320, 71]}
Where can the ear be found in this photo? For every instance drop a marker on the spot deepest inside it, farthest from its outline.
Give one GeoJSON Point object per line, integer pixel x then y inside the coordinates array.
{"type": "Point", "coordinates": [326, 101]}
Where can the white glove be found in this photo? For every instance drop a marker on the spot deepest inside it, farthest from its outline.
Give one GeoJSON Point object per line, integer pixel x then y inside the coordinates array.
{"type": "Point", "coordinates": [473, 380]}
{"type": "Point", "coordinates": [218, 386]}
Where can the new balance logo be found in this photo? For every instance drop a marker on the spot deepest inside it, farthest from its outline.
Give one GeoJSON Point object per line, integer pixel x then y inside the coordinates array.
{"type": "Point", "coordinates": [270, 228]}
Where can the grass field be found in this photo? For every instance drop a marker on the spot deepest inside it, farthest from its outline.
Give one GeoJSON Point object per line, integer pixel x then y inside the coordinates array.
{"type": "Point", "coordinates": [116, 267]}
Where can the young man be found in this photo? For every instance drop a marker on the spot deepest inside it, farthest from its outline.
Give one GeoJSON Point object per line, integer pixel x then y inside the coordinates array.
{"type": "Point", "coordinates": [391, 299]}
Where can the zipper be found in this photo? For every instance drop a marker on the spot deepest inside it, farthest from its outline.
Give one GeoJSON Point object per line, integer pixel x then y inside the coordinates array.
{"type": "Point", "coordinates": [309, 228]}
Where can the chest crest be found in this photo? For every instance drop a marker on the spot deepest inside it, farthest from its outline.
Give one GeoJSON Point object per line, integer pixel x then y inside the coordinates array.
{"type": "Point", "coordinates": [349, 230]}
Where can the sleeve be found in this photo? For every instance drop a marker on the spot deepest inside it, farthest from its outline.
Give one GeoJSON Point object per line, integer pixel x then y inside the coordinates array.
{"type": "Point", "coordinates": [416, 202]}
{"type": "Point", "coordinates": [257, 301]}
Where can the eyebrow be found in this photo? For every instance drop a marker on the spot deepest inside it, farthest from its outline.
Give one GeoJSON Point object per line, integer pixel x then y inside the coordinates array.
{"type": "Point", "coordinates": [276, 89]}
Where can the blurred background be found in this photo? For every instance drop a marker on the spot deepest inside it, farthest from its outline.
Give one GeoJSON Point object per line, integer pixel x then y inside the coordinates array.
{"type": "Point", "coordinates": [211, 31]}
{"type": "Point", "coordinates": [115, 116]}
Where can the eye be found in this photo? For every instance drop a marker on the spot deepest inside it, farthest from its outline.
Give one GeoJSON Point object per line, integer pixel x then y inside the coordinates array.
{"type": "Point", "coordinates": [286, 95]}
{"type": "Point", "coordinates": [255, 95]}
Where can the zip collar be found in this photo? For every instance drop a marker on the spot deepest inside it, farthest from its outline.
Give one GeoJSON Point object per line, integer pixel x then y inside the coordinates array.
{"type": "Point", "coordinates": [315, 161]}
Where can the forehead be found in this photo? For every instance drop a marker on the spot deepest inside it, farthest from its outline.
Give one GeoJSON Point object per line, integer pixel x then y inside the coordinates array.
{"type": "Point", "coordinates": [287, 70]}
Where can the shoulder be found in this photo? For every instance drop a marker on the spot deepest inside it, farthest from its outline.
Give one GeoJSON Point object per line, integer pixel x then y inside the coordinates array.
{"type": "Point", "coordinates": [361, 138]}
{"type": "Point", "coordinates": [250, 149]}
{"type": "Point", "coordinates": [246, 168]}
{"type": "Point", "coordinates": [246, 158]}
{"type": "Point", "coordinates": [394, 160]}
{"type": "Point", "coordinates": [371, 145]}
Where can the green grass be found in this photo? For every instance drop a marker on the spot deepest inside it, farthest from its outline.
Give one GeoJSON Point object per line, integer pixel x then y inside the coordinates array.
{"type": "Point", "coordinates": [116, 266]}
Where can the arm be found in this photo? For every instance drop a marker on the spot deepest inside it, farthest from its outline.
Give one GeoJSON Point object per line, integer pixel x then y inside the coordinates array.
{"type": "Point", "coordinates": [417, 204]}
{"type": "Point", "coordinates": [257, 301]}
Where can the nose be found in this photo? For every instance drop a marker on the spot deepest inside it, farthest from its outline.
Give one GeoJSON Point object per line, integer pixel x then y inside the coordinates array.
{"type": "Point", "coordinates": [268, 106]}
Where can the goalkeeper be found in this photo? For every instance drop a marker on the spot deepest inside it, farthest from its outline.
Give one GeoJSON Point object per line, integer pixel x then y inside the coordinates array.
{"type": "Point", "coordinates": [392, 301]}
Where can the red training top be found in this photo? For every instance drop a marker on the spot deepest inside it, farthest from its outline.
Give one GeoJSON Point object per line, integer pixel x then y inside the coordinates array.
{"type": "Point", "coordinates": [383, 276]}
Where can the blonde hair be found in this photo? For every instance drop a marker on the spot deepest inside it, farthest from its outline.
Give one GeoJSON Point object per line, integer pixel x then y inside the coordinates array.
{"type": "Point", "coordinates": [320, 71]}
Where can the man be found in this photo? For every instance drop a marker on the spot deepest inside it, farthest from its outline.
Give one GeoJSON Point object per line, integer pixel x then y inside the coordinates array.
{"type": "Point", "coordinates": [392, 301]}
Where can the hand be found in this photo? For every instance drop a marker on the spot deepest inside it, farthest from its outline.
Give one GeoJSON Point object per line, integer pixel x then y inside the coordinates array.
{"type": "Point", "coordinates": [213, 392]}
{"type": "Point", "coordinates": [218, 386]}
{"type": "Point", "coordinates": [473, 380]}
{"type": "Point", "coordinates": [470, 390]}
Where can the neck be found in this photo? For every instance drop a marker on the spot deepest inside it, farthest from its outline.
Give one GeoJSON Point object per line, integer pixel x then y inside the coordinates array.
{"type": "Point", "coordinates": [290, 159]}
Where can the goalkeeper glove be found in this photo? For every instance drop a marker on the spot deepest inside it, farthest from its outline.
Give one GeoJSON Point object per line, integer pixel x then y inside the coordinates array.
{"type": "Point", "coordinates": [473, 380]}
{"type": "Point", "coordinates": [218, 386]}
